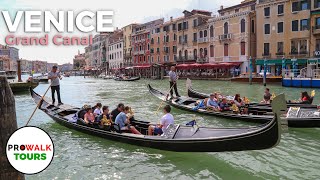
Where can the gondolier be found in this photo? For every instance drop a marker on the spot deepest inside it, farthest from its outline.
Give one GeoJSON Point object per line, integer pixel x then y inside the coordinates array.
{"type": "Point", "coordinates": [55, 78]}
{"type": "Point", "coordinates": [173, 81]}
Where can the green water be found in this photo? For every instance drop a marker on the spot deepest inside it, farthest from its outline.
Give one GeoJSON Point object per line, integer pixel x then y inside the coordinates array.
{"type": "Point", "coordinates": [80, 156]}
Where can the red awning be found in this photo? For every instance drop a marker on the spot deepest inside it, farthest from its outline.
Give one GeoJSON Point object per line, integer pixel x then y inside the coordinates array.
{"type": "Point", "coordinates": [207, 65]}
{"type": "Point", "coordinates": [142, 67]}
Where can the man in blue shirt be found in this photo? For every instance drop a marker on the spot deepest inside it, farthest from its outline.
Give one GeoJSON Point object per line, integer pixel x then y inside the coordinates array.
{"type": "Point", "coordinates": [212, 102]}
{"type": "Point", "coordinates": [122, 120]}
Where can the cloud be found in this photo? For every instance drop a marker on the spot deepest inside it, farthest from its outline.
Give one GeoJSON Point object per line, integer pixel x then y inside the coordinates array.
{"type": "Point", "coordinates": [125, 12]}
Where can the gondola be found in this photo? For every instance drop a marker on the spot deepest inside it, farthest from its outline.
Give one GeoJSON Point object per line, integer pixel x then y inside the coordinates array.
{"type": "Point", "coordinates": [126, 79]}
{"type": "Point", "coordinates": [304, 117]}
{"type": "Point", "coordinates": [195, 94]}
{"type": "Point", "coordinates": [176, 137]}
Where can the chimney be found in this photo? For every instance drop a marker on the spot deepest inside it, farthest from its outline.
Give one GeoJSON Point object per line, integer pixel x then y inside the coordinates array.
{"type": "Point", "coordinates": [221, 7]}
{"type": "Point", "coordinates": [171, 18]}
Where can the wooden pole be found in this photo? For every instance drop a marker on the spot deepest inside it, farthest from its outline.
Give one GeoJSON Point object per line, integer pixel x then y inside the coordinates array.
{"type": "Point", "coordinates": [8, 124]}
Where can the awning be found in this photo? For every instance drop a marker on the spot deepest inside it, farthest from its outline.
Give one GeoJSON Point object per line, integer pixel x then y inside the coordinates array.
{"type": "Point", "coordinates": [208, 65]}
{"type": "Point", "coordinates": [142, 67]}
{"type": "Point", "coordinates": [271, 62]}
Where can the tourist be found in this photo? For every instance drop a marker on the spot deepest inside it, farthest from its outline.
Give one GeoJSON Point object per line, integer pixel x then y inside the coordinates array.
{"type": "Point", "coordinates": [97, 109]}
{"type": "Point", "coordinates": [305, 98]}
{"type": "Point", "coordinates": [224, 106]}
{"type": "Point", "coordinates": [54, 76]}
{"type": "Point", "coordinates": [105, 118]}
{"type": "Point", "coordinates": [212, 102]}
{"type": "Point", "coordinates": [166, 120]}
{"type": "Point", "coordinates": [116, 111]}
{"type": "Point", "coordinates": [267, 96]}
{"type": "Point", "coordinates": [238, 101]}
{"type": "Point", "coordinates": [89, 117]}
{"type": "Point", "coordinates": [173, 81]}
{"type": "Point", "coordinates": [124, 122]}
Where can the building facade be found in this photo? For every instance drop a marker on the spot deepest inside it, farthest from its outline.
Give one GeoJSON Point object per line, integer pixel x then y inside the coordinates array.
{"type": "Point", "coordinates": [79, 61]}
{"type": "Point", "coordinates": [12, 53]}
{"type": "Point", "coordinates": [140, 42]}
{"type": "Point", "coordinates": [187, 34]}
{"type": "Point", "coordinates": [39, 66]}
{"type": "Point", "coordinates": [284, 32]}
{"type": "Point", "coordinates": [115, 50]}
{"type": "Point", "coordinates": [127, 49]}
{"type": "Point", "coordinates": [4, 63]}
{"type": "Point", "coordinates": [315, 27]}
{"type": "Point", "coordinates": [26, 65]}
{"type": "Point", "coordinates": [232, 35]}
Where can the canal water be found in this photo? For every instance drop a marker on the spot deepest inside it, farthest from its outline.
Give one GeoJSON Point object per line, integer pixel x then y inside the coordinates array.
{"type": "Point", "coordinates": [81, 156]}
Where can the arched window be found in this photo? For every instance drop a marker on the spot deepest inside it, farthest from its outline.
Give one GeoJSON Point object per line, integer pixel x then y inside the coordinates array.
{"type": "Point", "coordinates": [180, 54]}
{"type": "Point", "coordinates": [205, 33]}
{"type": "Point", "coordinates": [226, 28]}
{"type": "Point", "coordinates": [226, 49]}
{"type": "Point", "coordinates": [195, 53]}
{"type": "Point", "coordinates": [201, 34]}
{"type": "Point", "coordinates": [152, 41]}
{"type": "Point", "coordinates": [211, 31]}
{"type": "Point", "coordinates": [201, 53]}
{"type": "Point", "coordinates": [148, 47]}
{"type": "Point", "coordinates": [186, 54]}
{"type": "Point", "coordinates": [243, 26]}
{"type": "Point", "coordinates": [205, 52]}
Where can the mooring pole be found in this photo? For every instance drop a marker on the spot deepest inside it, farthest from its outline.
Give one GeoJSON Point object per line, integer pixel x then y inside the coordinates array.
{"type": "Point", "coordinates": [250, 70]}
{"type": "Point", "coordinates": [265, 72]}
{"type": "Point", "coordinates": [8, 124]}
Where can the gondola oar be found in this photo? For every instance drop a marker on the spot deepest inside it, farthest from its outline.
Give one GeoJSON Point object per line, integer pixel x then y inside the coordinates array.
{"type": "Point", "coordinates": [166, 96]}
{"type": "Point", "coordinates": [38, 105]}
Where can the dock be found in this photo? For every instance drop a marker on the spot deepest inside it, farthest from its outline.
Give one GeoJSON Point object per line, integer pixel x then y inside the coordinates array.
{"type": "Point", "coordinates": [22, 86]}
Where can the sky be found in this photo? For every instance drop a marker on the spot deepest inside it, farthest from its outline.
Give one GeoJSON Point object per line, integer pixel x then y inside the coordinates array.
{"type": "Point", "coordinates": [125, 12]}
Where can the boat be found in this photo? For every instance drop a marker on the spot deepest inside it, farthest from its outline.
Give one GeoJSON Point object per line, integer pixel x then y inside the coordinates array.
{"type": "Point", "coordinates": [304, 117]}
{"type": "Point", "coordinates": [17, 87]}
{"type": "Point", "coordinates": [41, 78]}
{"type": "Point", "coordinates": [176, 138]}
{"type": "Point", "coordinates": [126, 78]}
{"type": "Point", "coordinates": [11, 74]}
{"type": "Point", "coordinates": [195, 94]}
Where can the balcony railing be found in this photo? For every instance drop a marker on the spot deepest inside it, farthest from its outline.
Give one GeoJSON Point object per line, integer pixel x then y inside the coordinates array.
{"type": "Point", "coordinates": [203, 40]}
{"type": "Point", "coordinates": [280, 54]}
{"type": "Point", "coordinates": [187, 58]}
{"type": "Point", "coordinates": [299, 53]}
{"type": "Point", "coordinates": [266, 54]}
{"type": "Point", "coordinates": [225, 37]}
{"type": "Point", "coordinates": [316, 29]}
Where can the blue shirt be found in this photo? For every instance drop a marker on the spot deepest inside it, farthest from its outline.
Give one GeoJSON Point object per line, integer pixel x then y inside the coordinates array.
{"type": "Point", "coordinates": [212, 103]}
{"type": "Point", "coordinates": [121, 119]}
{"type": "Point", "coordinates": [172, 76]}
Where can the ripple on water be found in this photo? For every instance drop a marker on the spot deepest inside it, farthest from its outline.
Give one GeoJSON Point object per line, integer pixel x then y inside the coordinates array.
{"type": "Point", "coordinates": [81, 156]}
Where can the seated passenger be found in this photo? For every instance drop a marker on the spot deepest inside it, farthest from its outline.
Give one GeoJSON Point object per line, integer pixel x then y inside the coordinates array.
{"type": "Point", "coordinates": [97, 109]}
{"type": "Point", "coordinates": [89, 117]}
{"type": "Point", "coordinates": [122, 120]}
{"type": "Point", "coordinates": [224, 106]}
{"type": "Point", "coordinates": [212, 102]}
{"type": "Point", "coordinates": [305, 98]}
{"type": "Point", "coordinates": [104, 118]}
{"type": "Point", "coordinates": [238, 101]}
{"type": "Point", "coordinates": [267, 96]}
{"type": "Point", "coordinates": [116, 111]}
{"type": "Point", "coordinates": [164, 122]}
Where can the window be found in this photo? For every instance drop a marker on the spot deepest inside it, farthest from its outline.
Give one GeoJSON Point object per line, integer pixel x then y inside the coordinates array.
{"type": "Point", "coordinates": [236, 10]}
{"type": "Point", "coordinates": [225, 28]}
{"type": "Point", "coordinates": [304, 5]}
{"type": "Point", "coordinates": [201, 34]}
{"type": "Point", "coordinates": [205, 33]}
{"type": "Point", "coordinates": [195, 23]}
{"type": "Point", "coordinates": [194, 37]}
{"type": "Point", "coordinates": [185, 25]}
{"type": "Point", "coordinates": [300, 5]}
{"type": "Point", "coordinates": [243, 48]}
{"type": "Point", "coordinates": [211, 31]}
{"type": "Point", "coordinates": [243, 26]}
{"type": "Point", "coordinates": [179, 26]}
{"type": "Point", "coordinates": [211, 51]}
{"type": "Point", "coordinates": [317, 23]}
{"type": "Point", "coordinates": [304, 24]}
{"type": "Point", "coordinates": [252, 26]}
{"type": "Point", "coordinates": [295, 25]}
{"type": "Point", "coordinates": [195, 53]}
{"type": "Point", "coordinates": [295, 6]}
{"type": "Point", "coordinates": [185, 38]}
{"type": "Point", "coordinates": [158, 40]}
{"type": "Point", "coordinates": [280, 27]}
{"type": "Point", "coordinates": [267, 12]}
{"type": "Point", "coordinates": [180, 39]}
{"type": "Point", "coordinates": [226, 50]}
{"type": "Point", "coordinates": [318, 45]}
{"type": "Point", "coordinates": [174, 37]}
{"type": "Point", "coordinates": [174, 27]}
{"type": "Point", "coordinates": [266, 49]}
{"type": "Point", "coordinates": [253, 7]}
{"type": "Point", "coordinates": [168, 38]}
{"type": "Point", "coordinates": [280, 48]}
{"type": "Point", "coordinates": [174, 49]}
{"type": "Point", "coordinates": [280, 9]}
{"type": "Point", "coordinates": [267, 29]}
{"type": "Point", "coordinates": [316, 4]}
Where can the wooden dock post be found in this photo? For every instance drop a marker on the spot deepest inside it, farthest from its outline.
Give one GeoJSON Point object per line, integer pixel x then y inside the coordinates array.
{"type": "Point", "coordinates": [8, 124]}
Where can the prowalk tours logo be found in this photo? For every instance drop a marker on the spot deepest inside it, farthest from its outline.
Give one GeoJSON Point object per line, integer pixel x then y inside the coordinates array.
{"type": "Point", "coordinates": [30, 150]}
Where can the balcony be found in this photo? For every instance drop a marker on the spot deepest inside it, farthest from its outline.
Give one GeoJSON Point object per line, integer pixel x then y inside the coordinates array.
{"type": "Point", "coordinates": [203, 60]}
{"type": "Point", "coordinates": [225, 37]}
{"type": "Point", "coordinates": [266, 54]}
{"type": "Point", "coordinates": [316, 29]}
{"type": "Point", "coordinates": [203, 40]}
{"type": "Point", "coordinates": [186, 58]}
{"type": "Point", "coordinates": [280, 54]}
{"type": "Point", "coordinates": [300, 53]}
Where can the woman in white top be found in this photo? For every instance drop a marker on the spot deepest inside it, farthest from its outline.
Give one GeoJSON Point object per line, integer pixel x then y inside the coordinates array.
{"type": "Point", "coordinates": [97, 110]}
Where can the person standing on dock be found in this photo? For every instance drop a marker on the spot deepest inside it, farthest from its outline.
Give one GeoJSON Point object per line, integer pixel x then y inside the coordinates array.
{"type": "Point", "coordinates": [55, 78]}
{"type": "Point", "coordinates": [173, 81]}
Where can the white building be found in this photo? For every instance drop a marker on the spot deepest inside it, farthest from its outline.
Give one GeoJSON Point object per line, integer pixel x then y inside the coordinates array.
{"type": "Point", "coordinates": [115, 50]}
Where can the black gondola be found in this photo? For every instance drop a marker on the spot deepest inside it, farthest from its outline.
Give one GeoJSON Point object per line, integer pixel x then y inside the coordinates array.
{"type": "Point", "coordinates": [195, 94]}
{"type": "Point", "coordinates": [126, 79]}
{"type": "Point", "coordinates": [177, 137]}
{"type": "Point", "coordinates": [303, 117]}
